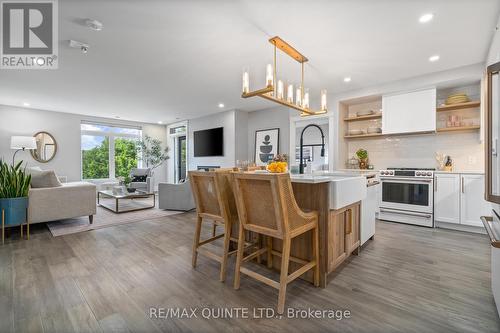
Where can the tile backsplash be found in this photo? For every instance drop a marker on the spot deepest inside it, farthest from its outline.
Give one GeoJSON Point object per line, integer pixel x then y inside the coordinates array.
{"type": "Point", "coordinates": [465, 149]}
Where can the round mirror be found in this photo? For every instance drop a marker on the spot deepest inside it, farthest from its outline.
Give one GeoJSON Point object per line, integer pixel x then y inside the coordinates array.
{"type": "Point", "coordinates": [46, 147]}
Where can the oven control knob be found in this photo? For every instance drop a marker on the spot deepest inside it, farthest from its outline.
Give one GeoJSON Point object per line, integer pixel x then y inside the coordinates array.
{"type": "Point", "coordinates": [384, 172]}
{"type": "Point", "coordinates": [429, 173]}
{"type": "Point", "coordinates": [391, 173]}
{"type": "Point", "coordinates": [418, 173]}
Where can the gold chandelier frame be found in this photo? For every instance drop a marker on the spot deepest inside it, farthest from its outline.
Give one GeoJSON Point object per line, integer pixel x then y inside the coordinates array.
{"type": "Point", "coordinates": [270, 91]}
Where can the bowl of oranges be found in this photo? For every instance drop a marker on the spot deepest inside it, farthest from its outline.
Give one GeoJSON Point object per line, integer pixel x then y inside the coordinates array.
{"type": "Point", "coordinates": [278, 164]}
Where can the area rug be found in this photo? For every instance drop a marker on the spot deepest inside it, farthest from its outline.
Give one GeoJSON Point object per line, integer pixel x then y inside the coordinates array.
{"type": "Point", "coordinates": [105, 218]}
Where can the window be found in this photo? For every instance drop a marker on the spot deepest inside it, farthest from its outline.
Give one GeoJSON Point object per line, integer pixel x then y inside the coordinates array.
{"type": "Point", "coordinates": [108, 151]}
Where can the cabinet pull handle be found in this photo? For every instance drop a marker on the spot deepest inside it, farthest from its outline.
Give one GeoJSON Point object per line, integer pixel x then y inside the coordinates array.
{"type": "Point", "coordinates": [436, 185]}
{"type": "Point", "coordinates": [462, 184]}
{"type": "Point", "coordinates": [349, 222]}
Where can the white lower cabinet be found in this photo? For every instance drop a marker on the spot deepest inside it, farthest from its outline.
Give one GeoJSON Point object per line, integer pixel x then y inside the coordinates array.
{"type": "Point", "coordinates": [447, 198]}
{"type": "Point", "coordinates": [459, 199]}
{"type": "Point", "coordinates": [473, 205]}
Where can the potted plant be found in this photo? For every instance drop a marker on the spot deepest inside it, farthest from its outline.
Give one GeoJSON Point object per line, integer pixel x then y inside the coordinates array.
{"type": "Point", "coordinates": [362, 155]}
{"type": "Point", "coordinates": [151, 152]}
{"type": "Point", "coordinates": [14, 187]}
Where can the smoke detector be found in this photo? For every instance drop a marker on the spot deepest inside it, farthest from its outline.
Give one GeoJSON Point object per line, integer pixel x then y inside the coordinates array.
{"type": "Point", "coordinates": [93, 24]}
{"type": "Point", "coordinates": [79, 45]}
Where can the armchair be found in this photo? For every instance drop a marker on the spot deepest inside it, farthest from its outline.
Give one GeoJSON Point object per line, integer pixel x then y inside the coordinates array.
{"type": "Point", "coordinates": [144, 173]}
{"type": "Point", "coordinates": [175, 196]}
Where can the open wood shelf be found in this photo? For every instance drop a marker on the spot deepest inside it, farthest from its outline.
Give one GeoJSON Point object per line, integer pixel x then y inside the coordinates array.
{"type": "Point", "coordinates": [370, 135]}
{"type": "Point", "coordinates": [367, 117]}
{"type": "Point", "coordinates": [458, 106]}
{"type": "Point", "coordinates": [461, 128]}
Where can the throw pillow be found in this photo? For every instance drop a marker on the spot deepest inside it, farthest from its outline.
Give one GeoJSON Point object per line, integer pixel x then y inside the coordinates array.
{"type": "Point", "coordinates": [43, 179]}
{"type": "Point", "coordinates": [139, 179]}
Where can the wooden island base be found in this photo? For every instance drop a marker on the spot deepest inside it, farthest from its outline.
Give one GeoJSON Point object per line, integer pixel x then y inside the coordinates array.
{"type": "Point", "coordinates": [339, 234]}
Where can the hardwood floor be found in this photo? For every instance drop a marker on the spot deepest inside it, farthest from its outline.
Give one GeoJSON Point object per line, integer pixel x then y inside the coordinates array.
{"type": "Point", "coordinates": [409, 279]}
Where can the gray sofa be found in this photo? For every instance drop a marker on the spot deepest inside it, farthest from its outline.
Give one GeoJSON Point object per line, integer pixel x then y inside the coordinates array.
{"type": "Point", "coordinates": [70, 200]}
{"type": "Point", "coordinates": [175, 196]}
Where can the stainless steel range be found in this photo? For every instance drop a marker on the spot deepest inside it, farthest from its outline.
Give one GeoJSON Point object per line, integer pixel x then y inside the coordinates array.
{"type": "Point", "coordinates": [407, 196]}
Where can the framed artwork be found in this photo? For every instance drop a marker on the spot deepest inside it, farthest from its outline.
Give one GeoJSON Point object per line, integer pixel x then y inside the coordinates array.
{"type": "Point", "coordinates": [267, 145]}
{"type": "Point", "coordinates": [307, 154]}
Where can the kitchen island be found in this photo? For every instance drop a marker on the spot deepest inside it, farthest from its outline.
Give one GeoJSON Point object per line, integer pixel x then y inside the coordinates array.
{"type": "Point", "coordinates": [337, 199]}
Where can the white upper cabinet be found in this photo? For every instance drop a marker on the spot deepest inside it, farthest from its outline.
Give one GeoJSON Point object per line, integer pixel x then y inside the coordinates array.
{"type": "Point", "coordinates": [409, 112]}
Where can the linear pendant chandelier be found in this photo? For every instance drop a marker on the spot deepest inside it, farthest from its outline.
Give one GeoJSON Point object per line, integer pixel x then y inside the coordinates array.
{"type": "Point", "coordinates": [275, 91]}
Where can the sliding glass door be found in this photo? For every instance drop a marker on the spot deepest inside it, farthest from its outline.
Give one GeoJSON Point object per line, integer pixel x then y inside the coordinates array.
{"type": "Point", "coordinates": [181, 158]}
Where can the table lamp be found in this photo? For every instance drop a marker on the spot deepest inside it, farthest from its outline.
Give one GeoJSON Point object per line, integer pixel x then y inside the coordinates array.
{"type": "Point", "coordinates": [21, 143]}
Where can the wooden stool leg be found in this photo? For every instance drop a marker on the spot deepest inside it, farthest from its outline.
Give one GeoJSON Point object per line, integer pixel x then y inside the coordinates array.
{"type": "Point", "coordinates": [227, 241]}
{"type": "Point", "coordinates": [239, 257]}
{"type": "Point", "coordinates": [259, 242]}
{"type": "Point", "coordinates": [269, 252]}
{"type": "Point", "coordinates": [196, 240]}
{"type": "Point", "coordinates": [214, 229]}
{"type": "Point", "coordinates": [22, 230]}
{"type": "Point", "coordinates": [315, 235]}
{"type": "Point", "coordinates": [285, 258]}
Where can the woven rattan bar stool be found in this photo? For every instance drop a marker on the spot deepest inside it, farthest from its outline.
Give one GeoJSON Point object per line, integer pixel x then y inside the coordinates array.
{"type": "Point", "coordinates": [214, 200]}
{"type": "Point", "coordinates": [266, 205]}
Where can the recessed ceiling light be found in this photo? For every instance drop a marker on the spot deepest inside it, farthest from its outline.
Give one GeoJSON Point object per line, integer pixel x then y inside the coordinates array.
{"type": "Point", "coordinates": [160, 122]}
{"type": "Point", "coordinates": [221, 105]}
{"type": "Point", "coordinates": [434, 58]}
{"type": "Point", "coordinates": [26, 104]}
{"type": "Point", "coordinates": [426, 18]}
{"type": "Point", "coordinates": [347, 79]}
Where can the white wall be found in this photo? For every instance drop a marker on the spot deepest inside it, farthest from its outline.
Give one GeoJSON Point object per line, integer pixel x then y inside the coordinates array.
{"type": "Point", "coordinates": [228, 120]}
{"type": "Point", "coordinates": [65, 128]}
{"type": "Point", "coordinates": [494, 53]}
{"type": "Point", "coordinates": [276, 117]}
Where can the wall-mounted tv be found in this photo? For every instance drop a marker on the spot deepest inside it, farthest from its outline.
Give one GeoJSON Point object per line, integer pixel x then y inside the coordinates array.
{"type": "Point", "coordinates": [209, 142]}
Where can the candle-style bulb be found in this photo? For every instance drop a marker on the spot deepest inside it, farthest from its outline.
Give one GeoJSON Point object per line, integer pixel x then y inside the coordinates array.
{"type": "Point", "coordinates": [305, 102]}
{"type": "Point", "coordinates": [298, 97]}
{"type": "Point", "coordinates": [289, 94]}
{"type": "Point", "coordinates": [281, 90]}
{"type": "Point", "coordinates": [323, 100]}
{"type": "Point", "coordinates": [269, 76]}
{"type": "Point", "coordinates": [246, 82]}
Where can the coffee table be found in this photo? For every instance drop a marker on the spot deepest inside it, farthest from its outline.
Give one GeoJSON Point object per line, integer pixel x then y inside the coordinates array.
{"type": "Point", "coordinates": [130, 205]}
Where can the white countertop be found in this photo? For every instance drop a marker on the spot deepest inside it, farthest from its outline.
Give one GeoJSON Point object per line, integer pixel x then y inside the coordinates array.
{"type": "Point", "coordinates": [472, 172]}
{"type": "Point", "coordinates": [316, 178]}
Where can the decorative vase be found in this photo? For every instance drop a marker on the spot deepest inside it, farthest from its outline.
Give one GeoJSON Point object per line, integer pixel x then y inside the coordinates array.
{"type": "Point", "coordinates": [15, 210]}
{"type": "Point", "coordinates": [363, 163]}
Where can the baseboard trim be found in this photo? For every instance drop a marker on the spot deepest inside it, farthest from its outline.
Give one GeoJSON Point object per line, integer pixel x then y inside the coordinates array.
{"type": "Point", "coordinates": [460, 227]}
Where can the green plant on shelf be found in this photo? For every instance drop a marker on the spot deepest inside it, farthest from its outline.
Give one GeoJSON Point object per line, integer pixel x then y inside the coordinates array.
{"type": "Point", "coordinates": [362, 154]}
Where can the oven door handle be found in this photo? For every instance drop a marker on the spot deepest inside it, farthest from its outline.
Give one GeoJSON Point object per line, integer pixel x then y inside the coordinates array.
{"type": "Point", "coordinates": [406, 180]}
{"type": "Point", "coordinates": [428, 216]}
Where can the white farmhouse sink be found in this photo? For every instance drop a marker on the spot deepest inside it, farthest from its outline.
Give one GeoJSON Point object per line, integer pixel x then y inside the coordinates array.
{"type": "Point", "coordinates": [345, 189]}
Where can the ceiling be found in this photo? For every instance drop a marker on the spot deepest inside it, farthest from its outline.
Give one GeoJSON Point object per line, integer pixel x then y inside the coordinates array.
{"type": "Point", "coordinates": [169, 60]}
